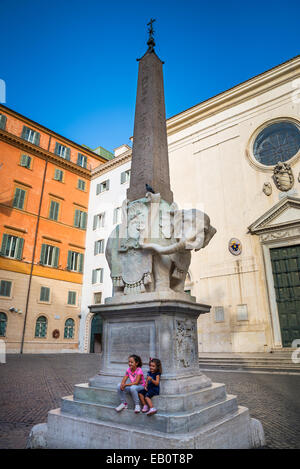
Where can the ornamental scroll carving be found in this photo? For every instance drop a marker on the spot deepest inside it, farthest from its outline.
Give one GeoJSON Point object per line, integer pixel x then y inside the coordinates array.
{"type": "Point", "coordinates": [185, 343]}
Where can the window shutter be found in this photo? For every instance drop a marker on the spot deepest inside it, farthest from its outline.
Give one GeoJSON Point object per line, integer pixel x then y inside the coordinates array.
{"type": "Point", "coordinates": [77, 218]}
{"type": "Point", "coordinates": [103, 219]}
{"type": "Point", "coordinates": [81, 262]}
{"type": "Point", "coordinates": [23, 160]}
{"type": "Point", "coordinates": [56, 175]}
{"type": "Point", "coordinates": [43, 254]}
{"type": "Point", "coordinates": [56, 151]}
{"type": "Point", "coordinates": [24, 132]}
{"type": "Point", "coordinates": [95, 248]}
{"type": "Point", "coordinates": [2, 121]}
{"type": "Point", "coordinates": [107, 184]}
{"type": "Point", "coordinates": [56, 255]}
{"type": "Point", "coordinates": [69, 263]}
{"type": "Point", "coordinates": [101, 275]}
{"type": "Point", "coordinates": [95, 222]}
{"type": "Point", "coordinates": [98, 189]}
{"type": "Point", "coordinates": [28, 162]}
{"type": "Point", "coordinates": [123, 177]}
{"type": "Point", "coordinates": [84, 220]}
{"type": "Point", "coordinates": [37, 138]}
{"type": "Point", "coordinates": [4, 243]}
{"type": "Point", "coordinates": [94, 275]}
{"type": "Point", "coordinates": [19, 248]}
{"type": "Point", "coordinates": [56, 210]}
{"type": "Point", "coordinates": [22, 198]}
{"type": "Point", "coordinates": [16, 197]}
{"type": "Point", "coordinates": [68, 154]}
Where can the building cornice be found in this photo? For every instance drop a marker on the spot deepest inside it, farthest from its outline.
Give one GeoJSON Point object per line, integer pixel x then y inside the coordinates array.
{"type": "Point", "coordinates": [51, 133]}
{"type": "Point", "coordinates": [28, 147]}
{"type": "Point", "coordinates": [238, 94]}
{"type": "Point", "coordinates": [112, 164]}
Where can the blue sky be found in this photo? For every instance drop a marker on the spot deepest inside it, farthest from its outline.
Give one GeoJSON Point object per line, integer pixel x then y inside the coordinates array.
{"type": "Point", "coordinates": [71, 65]}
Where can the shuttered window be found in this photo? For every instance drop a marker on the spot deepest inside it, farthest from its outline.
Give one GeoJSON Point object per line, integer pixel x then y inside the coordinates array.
{"type": "Point", "coordinates": [41, 327]}
{"type": "Point", "coordinates": [5, 288]}
{"type": "Point", "coordinates": [125, 176]}
{"type": "Point", "coordinates": [80, 219]}
{"type": "Point", "coordinates": [3, 324]}
{"type": "Point", "coordinates": [72, 298]}
{"type": "Point", "coordinates": [102, 187]}
{"type": "Point", "coordinates": [26, 161]}
{"type": "Point", "coordinates": [45, 294]}
{"type": "Point", "coordinates": [12, 246]}
{"type": "Point", "coordinates": [30, 135]}
{"type": "Point", "coordinates": [19, 198]}
{"type": "Point", "coordinates": [69, 329]}
{"type": "Point", "coordinates": [97, 276]}
{"type": "Point", "coordinates": [62, 151]}
{"type": "Point", "coordinates": [3, 120]}
{"type": "Point", "coordinates": [49, 255]}
{"type": "Point", "coordinates": [75, 261]}
{"type": "Point", "coordinates": [54, 210]}
{"type": "Point", "coordinates": [81, 185]}
{"type": "Point", "coordinates": [99, 221]}
{"type": "Point", "coordinates": [82, 160]}
{"type": "Point", "coordinates": [58, 175]}
{"type": "Point", "coordinates": [99, 247]}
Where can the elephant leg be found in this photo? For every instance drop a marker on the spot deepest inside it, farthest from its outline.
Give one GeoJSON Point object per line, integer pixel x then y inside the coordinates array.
{"type": "Point", "coordinates": [161, 272]}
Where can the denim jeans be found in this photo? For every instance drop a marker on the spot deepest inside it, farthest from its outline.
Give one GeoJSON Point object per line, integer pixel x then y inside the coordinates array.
{"type": "Point", "coordinates": [131, 390]}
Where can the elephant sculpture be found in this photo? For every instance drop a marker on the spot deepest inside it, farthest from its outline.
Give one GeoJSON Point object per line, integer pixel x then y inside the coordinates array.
{"type": "Point", "coordinates": [151, 249]}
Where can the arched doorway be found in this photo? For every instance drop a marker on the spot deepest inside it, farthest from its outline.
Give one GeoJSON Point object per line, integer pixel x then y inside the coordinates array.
{"type": "Point", "coordinates": [96, 334]}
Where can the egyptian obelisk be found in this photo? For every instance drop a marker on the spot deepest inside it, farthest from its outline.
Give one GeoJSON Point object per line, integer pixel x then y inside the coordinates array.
{"type": "Point", "coordinates": [150, 162]}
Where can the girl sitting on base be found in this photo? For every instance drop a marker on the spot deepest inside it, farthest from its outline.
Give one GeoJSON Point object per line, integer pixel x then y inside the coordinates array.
{"type": "Point", "coordinates": [151, 387]}
{"type": "Point", "coordinates": [136, 384]}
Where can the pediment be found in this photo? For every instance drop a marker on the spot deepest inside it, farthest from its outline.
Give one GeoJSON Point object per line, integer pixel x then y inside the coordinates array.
{"type": "Point", "coordinates": [284, 214]}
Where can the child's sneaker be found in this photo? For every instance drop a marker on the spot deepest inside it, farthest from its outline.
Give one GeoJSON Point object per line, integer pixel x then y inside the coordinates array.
{"type": "Point", "coordinates": [145, 408]}
{"type": "Point", "coordinates": [137, 409]}
{"type": "Point", "coordinates": [122, 406]}
{"type": "Point", "coordinates": [152, 411]}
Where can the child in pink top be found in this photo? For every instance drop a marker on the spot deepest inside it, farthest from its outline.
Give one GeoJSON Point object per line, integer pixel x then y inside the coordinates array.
{"type": "Point", "coordinates": [136, 384]}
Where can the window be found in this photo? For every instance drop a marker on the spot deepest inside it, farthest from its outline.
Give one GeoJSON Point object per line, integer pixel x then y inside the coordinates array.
{"type": "Point", "coordinates": [125, 176]}
{"type": "Point", "coordinates": [30, 135]}
{"type": "Point", "coordinates": [58, 175]}
{"type": "Point", "coordinates": [98, 221]}
{"type": "Point", "coordinates": [49, 255]}
{"type": "Point", "coordinates": [69, 329]}
{"type": "Point", "coordinates": [242, 313]}
{"type": "Point", "coordinates": [97, 276]}
{"type": "Point", "coordinates": [80, 219]}
{"type": "Point", "coordinates": [81, 185]}
{"type": "Point", "coordinates": [97, 298]}
{"type": "Point", "coordinates": [3, 324]}
{"type": "Point", "coordinates": [277, 142]}
{"type": "Point", "coordinates": [45, 294]}
{"type": "Point", "coordinates": [3, 119]}
{"type": "Point", "coordinates": [75, 261]}
{"type": "Point", "coordinates": [62, 151]}
{"type": "Point", "coordinates": [102, 187]}
{"type": "Point", "coordinates": [72, 298]}
{"type": "Point", "coordinates": [117, 215]}
{"type": "Point", "coordinates": [26, 161]}
{"type": "Point", "coordinates": [219, 313]}
{"type": "Point", "coordinates": [19, 198]}
{"type": "Point", "coordinates": [99, 247]}
{"type": "Point", "coordinates": [54, 210]}
{"type": "Point", "coordinates": [41, 327]}
{"type": "Point", "coordinates": [82, 160]}
{"type": "Point", "coordinates": [12, 246]}
{"type": "Point", "coordinates": [5, 288]}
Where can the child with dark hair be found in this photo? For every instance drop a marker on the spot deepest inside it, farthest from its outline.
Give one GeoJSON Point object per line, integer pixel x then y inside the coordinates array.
{"type": "Point", "coordinates": [135, 385]}
{"type": "Point", "coordinates": [152, 386]}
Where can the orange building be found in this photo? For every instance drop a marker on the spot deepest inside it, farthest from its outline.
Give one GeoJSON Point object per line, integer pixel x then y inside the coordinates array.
{"type": "Point", "coordinates": [44, 197]}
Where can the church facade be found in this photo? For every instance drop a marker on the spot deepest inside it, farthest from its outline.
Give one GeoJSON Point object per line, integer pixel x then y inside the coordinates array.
{"type": "Point", "coordinates": [236, 157]}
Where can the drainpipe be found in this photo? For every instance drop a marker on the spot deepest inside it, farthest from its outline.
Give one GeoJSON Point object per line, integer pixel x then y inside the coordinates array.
{"type": "Point", "coordinates": [34, 249]}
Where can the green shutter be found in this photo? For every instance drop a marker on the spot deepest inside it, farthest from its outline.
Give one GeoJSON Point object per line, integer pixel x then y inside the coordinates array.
{"type": "Point", "coordinates": [2, 121]}
{"type": "Point", "coordinates": [98, 189]}
{"type": "Point", "coordinates": [16, 197]}
{"type": "Point", "coordinates": [19, 248]}
{"type": "Point", "coordinates": [95, 222]}
{"type": "Point", "coordinates": [101, 276]}
{"type": "Point", "coordinates": [107, 184]}
{"type": "Point", "coordinates": [45, 294]}
{"type": "Point", "coordinates": [43, 254]}
{"type": "Point", "coordinates": [94, 274]}
{"type": "Point", "coordinates": [68, 153]}
{"type": "Point", "coordinates": [24, 160]}
{"type": "Point", "coordinates": [4, 244]}
{"type": "Point", "coordinates": [122, 177]}
{"type": "Point", "coordinates": [37, 138]}
{"type": "Point", "coordinates": [81, 258]}
{"type": "Point", "coordinates": [83, 220]}
{"type": "Point", "coordinates": [24, 131]}
{"type": "Point", "coordinates": [77, 218]}
{"type": "Point", "coordinates": [56, 148]}
{"type": "Point", "coordinates": [96, 248]}
{"type": "Point", "coordinates": [56, 256]}
{"type": "Point", "coordinates": [69, 262]}
{"type": "Point", "coordinates": [22, 199]}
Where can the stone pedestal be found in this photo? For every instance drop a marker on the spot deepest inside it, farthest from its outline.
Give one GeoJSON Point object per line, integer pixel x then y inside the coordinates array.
{"type": "Point", "coordinates": [192, 411]}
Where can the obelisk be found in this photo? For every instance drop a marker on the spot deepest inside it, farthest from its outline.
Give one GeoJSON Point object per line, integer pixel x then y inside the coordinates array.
{"type": "Point", "coordinates": [150, 162]}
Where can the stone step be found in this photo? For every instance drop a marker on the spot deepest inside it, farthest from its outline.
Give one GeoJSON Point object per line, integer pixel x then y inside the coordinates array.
{"type": "Point", "coordinates": [176, 422]}
{"type": "Point", "coordinates": [239, 366]}
{"type": "Point", "coordinates": [170, 403]}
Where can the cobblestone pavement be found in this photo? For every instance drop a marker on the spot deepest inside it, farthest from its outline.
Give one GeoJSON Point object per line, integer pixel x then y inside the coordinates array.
{"type": "Point", "coordinates": [31, 385]}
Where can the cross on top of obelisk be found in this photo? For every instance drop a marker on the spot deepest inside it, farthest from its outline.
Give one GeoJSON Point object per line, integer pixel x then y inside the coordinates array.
{"type": "Point", "coordinates": [151, 42]}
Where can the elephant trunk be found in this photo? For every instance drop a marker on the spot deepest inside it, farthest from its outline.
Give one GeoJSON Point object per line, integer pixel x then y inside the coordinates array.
{"type": "Point", "coordinates": [165, 249]}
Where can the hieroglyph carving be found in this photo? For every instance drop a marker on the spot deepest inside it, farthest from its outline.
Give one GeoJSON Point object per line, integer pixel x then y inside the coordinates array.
{"type": "Point", "coordinates": [185, 343]}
